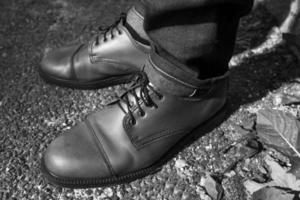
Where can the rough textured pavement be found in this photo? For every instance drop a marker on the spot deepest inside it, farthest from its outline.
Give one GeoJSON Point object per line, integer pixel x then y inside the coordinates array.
{"type": "Point", "coordinates": [33, 113]}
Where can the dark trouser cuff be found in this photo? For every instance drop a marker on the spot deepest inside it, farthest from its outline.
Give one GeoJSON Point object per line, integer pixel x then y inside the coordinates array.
{"type": "Point", "coordinates": [173, 80]}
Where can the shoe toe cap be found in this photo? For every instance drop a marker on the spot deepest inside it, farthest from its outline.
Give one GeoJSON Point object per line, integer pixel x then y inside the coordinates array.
{"type": "Point", "coordinates": [75, 155]}
{"type": "Point", "coordinates": [58, 62]}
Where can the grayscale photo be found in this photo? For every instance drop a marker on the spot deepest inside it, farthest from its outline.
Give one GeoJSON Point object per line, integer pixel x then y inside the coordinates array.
{"type": "Point", "coordinates": [149, 100]}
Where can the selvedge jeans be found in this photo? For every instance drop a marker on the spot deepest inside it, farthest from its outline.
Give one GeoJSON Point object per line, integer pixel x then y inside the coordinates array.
{"type": "Point", "coordinates": [192, 39]}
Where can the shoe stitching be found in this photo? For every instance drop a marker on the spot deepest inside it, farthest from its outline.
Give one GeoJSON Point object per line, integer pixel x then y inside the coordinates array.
{"type": "Point", "coordinates": [135, 43]}
{"type": "Point", "coordinates": [101, 148]}
{"type": "Point", "coordinates": [158, 136]}
{"type": "Point", "coordinates": [73, 73]}
{"type": "Point", "coordinates": [105, 60]}
{"type": "Point", "coordinates": [90, 51]}
{"type": "Point", "coordinates": [140, 143]}
{"type": "Point", "coordinates": [115, 62]}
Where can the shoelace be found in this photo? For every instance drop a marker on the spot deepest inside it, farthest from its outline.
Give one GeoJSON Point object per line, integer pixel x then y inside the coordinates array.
{"type": "Point", "coordinates": [110, 29]}
{"type": "Point", "coordinates": [141, 81]}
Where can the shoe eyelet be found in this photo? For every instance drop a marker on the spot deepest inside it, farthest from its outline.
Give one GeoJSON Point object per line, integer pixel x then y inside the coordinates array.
{"type": "Point", "coordinates": [131, 104]}
{"type": "Point", "coordinates": [142, 114]}
{"type": "Point", "coordinates": [154, 106]}
{"type": "Point", "coordinates": [132, 122]}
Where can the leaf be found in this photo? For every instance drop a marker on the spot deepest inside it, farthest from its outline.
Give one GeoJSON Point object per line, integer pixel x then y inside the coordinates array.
{"type": "Point", "coordinates": [279, 130]}
{"type": "Point", "coordinates": [286, 99]}
{"type": "Point", "coordinates": [290, 95]}
{"type": "Point", "coordinates": [295, 167]}
{"type": "Point", "coordinates": [179, 164]}
{"type": "Point", "coordinates": [213, 188]}
{"type": "Point", "coordinates": [271, 193]}
{"type": "Point", "coordinates": [252, 186]}
{"type": "Point", "coordinates": [248, 124]}
{"type": "Point", "coordinates": [281, 177]}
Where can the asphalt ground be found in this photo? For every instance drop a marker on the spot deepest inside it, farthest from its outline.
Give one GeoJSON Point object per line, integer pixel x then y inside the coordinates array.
{"type": "Point", "coordinates": [33, 113]}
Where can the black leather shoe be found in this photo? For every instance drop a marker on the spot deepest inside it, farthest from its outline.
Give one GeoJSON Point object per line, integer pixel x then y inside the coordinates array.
{"type": "Point", "coordinates": [108, 59]}
{"type": "Point", "coordinates": [134, 136]}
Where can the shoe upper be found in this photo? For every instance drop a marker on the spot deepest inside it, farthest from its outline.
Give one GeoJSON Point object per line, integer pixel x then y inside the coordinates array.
{"type": "Point", "coordinates": [132, 133]}
{"type": "Point", "coordinates": [113, 52]}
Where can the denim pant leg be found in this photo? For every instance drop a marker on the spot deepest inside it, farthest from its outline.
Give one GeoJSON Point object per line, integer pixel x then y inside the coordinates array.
{"type": "Point", "coordinates": [192, 38]}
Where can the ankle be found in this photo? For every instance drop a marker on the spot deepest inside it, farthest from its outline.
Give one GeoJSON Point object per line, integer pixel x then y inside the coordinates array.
{"type": "Point", "coordinates": [135, 25]}
{"type": "Point", "coordinates": [177, 85]}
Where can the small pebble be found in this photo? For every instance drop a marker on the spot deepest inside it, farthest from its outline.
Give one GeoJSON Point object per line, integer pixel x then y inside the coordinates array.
{"type": "Point", "coordinates": [230, 174]}
{"type": "Point", "coordinates": [277, 99]}
{"type": "Point", "coordinates": [180, 164]}
{"type": "Point", "coordinates": [108, 192]}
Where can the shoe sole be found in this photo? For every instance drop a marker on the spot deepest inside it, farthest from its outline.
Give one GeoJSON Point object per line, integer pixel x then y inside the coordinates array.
{"type": "Point", "coordinates": [95, 84]}
{"type": "Point", "coordinates": [207, 127]}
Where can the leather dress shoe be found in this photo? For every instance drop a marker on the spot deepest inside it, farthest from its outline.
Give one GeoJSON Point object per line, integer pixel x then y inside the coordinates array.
{"type": "Point", "coordinates": [110, 58]}
{"type": "Point", "coordinates": [134, 135]}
